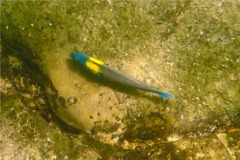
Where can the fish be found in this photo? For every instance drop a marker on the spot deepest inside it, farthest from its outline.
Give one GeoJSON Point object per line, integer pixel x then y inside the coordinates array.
{"type": "Point", "coordinates": [101, 69]}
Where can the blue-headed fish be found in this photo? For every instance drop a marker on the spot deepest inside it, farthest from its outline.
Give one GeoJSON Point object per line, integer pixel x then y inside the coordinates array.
{"type": "Point", "coordinates": [101, 69]}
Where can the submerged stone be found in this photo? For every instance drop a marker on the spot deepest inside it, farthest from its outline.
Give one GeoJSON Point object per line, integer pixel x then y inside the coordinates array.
{"type": "Point", "coordinates": [187, 48]}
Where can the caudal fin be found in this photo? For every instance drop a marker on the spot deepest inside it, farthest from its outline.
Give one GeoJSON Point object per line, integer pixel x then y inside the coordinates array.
{"type": "Point", "coordinates": [164, 95]}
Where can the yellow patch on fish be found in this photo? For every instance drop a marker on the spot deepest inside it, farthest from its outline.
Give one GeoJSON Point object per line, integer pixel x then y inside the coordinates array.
{"type": "Point", "coordinates": [94, 65]}
{"type": "Point", "coordinates": [96, 61]}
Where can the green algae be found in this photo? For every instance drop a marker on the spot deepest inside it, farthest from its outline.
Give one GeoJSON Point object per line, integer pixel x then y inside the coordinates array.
{"type": "Point", "coordinates": [214, 66]}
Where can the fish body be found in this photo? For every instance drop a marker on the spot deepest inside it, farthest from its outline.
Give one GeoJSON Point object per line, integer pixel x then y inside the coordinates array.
{"type": "Point", "coordinates": [101, 69]}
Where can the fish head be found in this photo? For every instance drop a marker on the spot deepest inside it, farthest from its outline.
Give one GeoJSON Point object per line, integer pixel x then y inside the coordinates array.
{"type": "Point", "coordinates": [80, 57]}
{"type": "Point", "coordinates": [94, 65]}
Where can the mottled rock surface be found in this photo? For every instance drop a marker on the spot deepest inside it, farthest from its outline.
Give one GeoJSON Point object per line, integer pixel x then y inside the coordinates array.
{"type": "Point", "coordinates": [190, 49]}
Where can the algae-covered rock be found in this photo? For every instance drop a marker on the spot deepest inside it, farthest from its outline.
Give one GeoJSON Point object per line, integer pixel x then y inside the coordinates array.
{"type": "Point", "coordinates": [98, 102]}
{"type": "Point", "coordinates": [190, 49]}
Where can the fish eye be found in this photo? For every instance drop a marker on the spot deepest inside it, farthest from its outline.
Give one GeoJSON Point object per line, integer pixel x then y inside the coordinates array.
{"type": "Point", "coordinates": [99, 74]}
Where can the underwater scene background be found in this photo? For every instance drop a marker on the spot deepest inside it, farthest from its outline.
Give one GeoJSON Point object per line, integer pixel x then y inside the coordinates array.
{"type": "Point", "coordinates": [52, 108]}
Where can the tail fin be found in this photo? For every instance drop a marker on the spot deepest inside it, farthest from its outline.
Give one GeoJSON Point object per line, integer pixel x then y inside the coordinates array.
{"type": "Point", "coordinates": [164, 95]}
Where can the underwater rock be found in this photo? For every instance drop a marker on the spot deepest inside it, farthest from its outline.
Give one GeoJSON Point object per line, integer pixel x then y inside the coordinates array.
{"type": "Point", "coordinates": [187, 48]}
{"type": "Point", "coordinates": [97, 103]}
